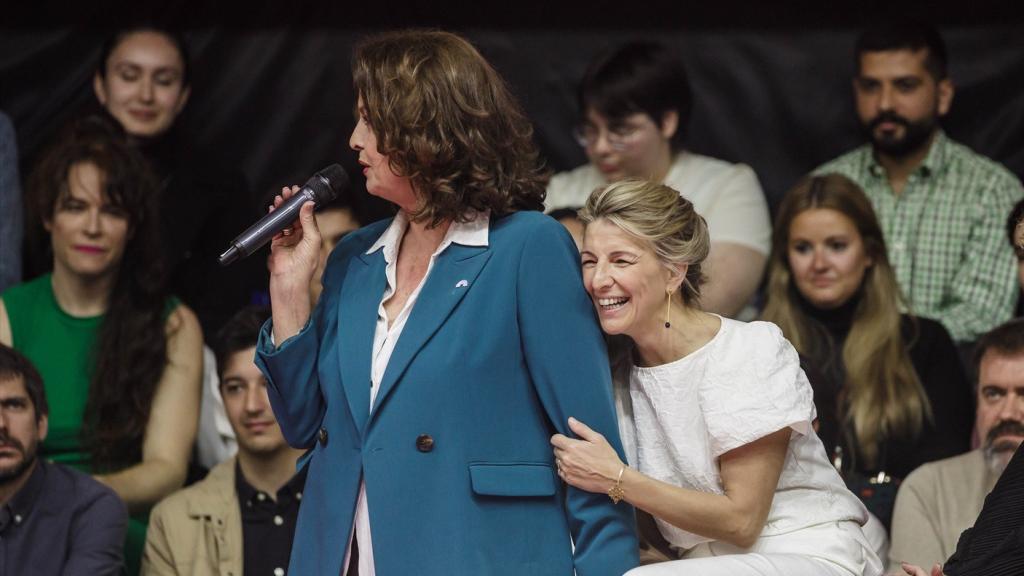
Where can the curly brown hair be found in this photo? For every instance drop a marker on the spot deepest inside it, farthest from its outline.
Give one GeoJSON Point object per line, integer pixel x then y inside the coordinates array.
{"type": "Point", "coordinates": [448, 122]}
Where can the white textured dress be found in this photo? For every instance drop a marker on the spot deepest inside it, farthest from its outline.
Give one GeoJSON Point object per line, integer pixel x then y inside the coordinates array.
{"type": "Point", "coordinates": [677, 419]}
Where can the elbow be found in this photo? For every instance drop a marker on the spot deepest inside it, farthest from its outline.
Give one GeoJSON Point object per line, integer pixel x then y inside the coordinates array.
{"type": "Point", "coordinates": [744, 530]}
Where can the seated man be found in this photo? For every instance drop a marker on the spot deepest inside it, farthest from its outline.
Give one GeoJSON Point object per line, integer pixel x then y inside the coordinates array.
{"type": "Point", "coordinates": [53, 519]}
{"type": "Point", "coordinates": [243, 513]}
{"type": "Point", "coordinates": [940, 499]}
{"type": "Point", "coordinates": [941, 205]}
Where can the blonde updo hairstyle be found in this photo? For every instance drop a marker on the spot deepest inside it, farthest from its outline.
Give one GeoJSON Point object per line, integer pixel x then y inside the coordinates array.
{"type": "Point", "coordinates": [661, 217]}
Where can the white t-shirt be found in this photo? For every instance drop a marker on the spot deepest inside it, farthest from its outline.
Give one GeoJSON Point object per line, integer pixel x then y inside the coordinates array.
{"type": "Point", "coordinates": [676, 419]}
{"type": "Point", "coordinates": [727, 195]}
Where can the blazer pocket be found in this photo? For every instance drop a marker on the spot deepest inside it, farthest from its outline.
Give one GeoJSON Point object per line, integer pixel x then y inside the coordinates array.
{"type": "Point", "coordinates": [488, 479]}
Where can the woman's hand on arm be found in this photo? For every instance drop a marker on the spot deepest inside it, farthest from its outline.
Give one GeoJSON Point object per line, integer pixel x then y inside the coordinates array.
{"type": "Point", "coordinates": [173, 420]}
{"type": "Point", "coordinates": [294, 256]}
{"type": "Point", "coordinates": [750, 476]}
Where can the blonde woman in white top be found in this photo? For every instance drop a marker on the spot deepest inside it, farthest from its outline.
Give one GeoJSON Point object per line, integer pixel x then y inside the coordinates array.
{"type": "Point", "coordinates": [715, 415]}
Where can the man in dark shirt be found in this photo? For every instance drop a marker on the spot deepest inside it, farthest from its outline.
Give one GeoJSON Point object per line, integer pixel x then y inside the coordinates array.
{"type": "Point", "coordinates": [240, 519]}
{"type": "Point", "coordinates": [53, 520]}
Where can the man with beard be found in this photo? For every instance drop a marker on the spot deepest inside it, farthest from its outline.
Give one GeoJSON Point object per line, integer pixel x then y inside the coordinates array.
{"type": "Point", "coordinates": [940, 499]}
{"type": "Point", "coordinates": [941, 206]}
{"type": "Point", "coordinates": [53, 520]}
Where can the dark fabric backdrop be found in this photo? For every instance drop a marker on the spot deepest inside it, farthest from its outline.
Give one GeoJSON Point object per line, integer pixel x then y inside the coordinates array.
{"type": "Point", "coordinates": [277, 102]}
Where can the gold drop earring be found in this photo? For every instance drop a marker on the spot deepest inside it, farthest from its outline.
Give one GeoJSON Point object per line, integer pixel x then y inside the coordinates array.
{"type": "Point", "coordinates": [668, 308]}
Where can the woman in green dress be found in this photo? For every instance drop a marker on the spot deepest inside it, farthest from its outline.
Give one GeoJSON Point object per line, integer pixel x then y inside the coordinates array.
{"type": "Point", "coordinates": [120, 359]}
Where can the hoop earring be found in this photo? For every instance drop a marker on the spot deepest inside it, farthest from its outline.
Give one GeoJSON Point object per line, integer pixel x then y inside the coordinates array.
{"type": "Point", "coordinates": [668, 308]}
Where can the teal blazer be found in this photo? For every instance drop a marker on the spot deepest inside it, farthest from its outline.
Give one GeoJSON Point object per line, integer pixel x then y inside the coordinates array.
{"type": "Point", "coordinates": [500, 349]}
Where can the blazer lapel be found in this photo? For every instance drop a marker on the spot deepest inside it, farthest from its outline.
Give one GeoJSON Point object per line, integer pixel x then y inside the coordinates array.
{"type": "Point", "coordinates": [453, 275]}
{"type": "Point", "coordinates": [357, 321]}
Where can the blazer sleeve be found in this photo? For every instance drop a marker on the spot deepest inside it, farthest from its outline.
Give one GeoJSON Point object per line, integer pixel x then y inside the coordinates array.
{"type": "Point", "coordinates": [568, 363]}
{"type": "Point", "coordinates": [293, 384]}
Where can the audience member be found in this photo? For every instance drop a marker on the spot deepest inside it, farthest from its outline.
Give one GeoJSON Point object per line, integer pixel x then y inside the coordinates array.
{"type": "Point", "coordinates": [569, 218]}
{"type": "Point", "coordinates": [635, 102]}
{"type": "Point", "coordinates": [240, 519]}
{"type": "Point", "coordinates": [901, 396]}
{"type": "Point", "coordinates": [941, 206]}
{"type": "Point", "coordinates": [1015, 230]}
{"type": "Point", "coordinates": [715, 414]}
{"type": "Point", "coordinates": [121, 360]}
{"type": "Point", "coordinates": [53, 519]}
{"type": "Point", "coordinates": [941, 499]}
{"type": "Point", "coordinates": [334, 220]}
{"type": "Point", "coordinates": [10, 207]}
{"type": "Point", "coordinates": [142, 80]}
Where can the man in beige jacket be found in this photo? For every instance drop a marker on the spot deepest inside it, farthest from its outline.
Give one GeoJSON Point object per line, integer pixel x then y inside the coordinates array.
{"type": "Point", "coordinates": [243, 513]}
{"type": "Point", "coordinates": [939, 500]}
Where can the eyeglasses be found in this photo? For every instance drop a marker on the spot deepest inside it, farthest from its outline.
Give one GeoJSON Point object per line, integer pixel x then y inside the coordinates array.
{"type": "Point", "coordinates": [619, 137]}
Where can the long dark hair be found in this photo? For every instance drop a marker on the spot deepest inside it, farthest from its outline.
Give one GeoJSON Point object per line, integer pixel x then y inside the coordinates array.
{"type": "Point", "coordinates": [131, 348]}
{"type": "Point", "coordinates": [883, 397]}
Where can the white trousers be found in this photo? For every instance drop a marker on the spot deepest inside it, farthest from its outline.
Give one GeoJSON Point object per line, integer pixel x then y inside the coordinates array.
{"type": "Point", "coordinates": [834, 549]}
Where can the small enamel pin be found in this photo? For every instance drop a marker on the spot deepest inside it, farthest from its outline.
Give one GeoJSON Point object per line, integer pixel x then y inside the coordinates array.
{"type": "Point", "coordinates": [462, 284]}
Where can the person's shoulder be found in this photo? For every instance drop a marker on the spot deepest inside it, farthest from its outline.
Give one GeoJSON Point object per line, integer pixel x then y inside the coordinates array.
{"type": "Point", "coordinates": [217, 484]}
{"type": "Point", "coordinates": [573, 187]}
{"type": "Point", "coordinates": [39, 284]}
{"type": "Point", "coordinates": [848, 164]}
{"type": "Point", "coordinates": [757, 333]}
{"type": "Point", "coordinates": [84, 490]}
{"type": "Point", "coordinates": [953, 468]}
{"type": "Point", "coordinates": [991, 180]}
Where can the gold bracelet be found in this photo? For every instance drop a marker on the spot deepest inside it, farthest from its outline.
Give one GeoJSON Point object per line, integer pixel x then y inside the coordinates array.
{"type": "Point", "coordinates": [616, 493]}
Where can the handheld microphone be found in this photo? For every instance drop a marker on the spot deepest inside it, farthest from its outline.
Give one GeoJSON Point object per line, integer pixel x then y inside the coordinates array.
{"type": "Point", "coordinates": [321, 188]}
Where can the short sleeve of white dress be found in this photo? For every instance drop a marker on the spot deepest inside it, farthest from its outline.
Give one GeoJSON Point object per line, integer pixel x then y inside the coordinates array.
{"type": "Point", "coordinates": [754, 386]}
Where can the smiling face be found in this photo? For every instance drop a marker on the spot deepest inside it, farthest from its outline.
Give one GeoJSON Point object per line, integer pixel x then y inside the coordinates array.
{"type": "Point", "coordinates": [632, 147]}
{"type": "Point", "coordinates": [248, 407]}
{"type": "Point", "coordinates": [143, 87]}
{"type": "Point", "coordinates": [827, 257]}
{"type": "Point", "coordinates": [1000, 417]}
{"type": "Point", "coordinates": [381, 180]}
{"type": "Point", "coordinates": [87, 232]}
{"type": "Point", "coordinates": [625, 279]}
{"type": "Point", "coordinates": [898, 101]}
{"type": "Point", "coordinates": [20, 430]}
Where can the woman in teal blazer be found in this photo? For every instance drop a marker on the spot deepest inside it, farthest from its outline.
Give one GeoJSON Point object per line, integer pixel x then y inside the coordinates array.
{"type": "Point", "coordinates": [448, 346]}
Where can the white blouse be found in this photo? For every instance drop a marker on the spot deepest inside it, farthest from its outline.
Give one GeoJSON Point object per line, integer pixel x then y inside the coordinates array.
{"type": "Point", "coordinates": [677, 419]}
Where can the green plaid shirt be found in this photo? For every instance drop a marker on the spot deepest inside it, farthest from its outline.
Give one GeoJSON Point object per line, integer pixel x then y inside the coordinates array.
{"type": "Point", "coordinates": [946, 233]}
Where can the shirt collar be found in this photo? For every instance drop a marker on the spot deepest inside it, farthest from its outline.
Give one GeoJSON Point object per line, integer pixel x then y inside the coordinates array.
{"type": "Point", "coordinates": [932, 163]}
{"type": "Point", "coordinates": [21, 504]}
{"type": "Point", "coordinates": [247, 493]}
{"type": "Point", "coordinates": [473, 232]}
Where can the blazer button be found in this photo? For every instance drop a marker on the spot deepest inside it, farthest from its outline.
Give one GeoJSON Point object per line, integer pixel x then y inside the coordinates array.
{"type": "Point", "coordinates": [322, 436]}
{"type": "Point", "coordinates": [424, 443]}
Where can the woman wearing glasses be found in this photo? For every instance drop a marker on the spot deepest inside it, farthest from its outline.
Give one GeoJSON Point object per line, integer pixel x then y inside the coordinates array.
{"type": "Point", "coordinates": [635, 103]}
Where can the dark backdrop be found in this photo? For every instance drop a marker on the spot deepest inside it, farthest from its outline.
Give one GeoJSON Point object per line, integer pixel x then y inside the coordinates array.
{"type": "Point", "coordinates": [272, 92]}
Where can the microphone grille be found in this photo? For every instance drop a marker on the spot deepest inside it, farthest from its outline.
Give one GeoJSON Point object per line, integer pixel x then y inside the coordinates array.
{"type": "Point", "coordinates": [327, 183]}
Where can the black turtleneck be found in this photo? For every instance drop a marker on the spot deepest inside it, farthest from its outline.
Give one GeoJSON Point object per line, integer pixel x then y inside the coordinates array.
{"type": "Point", "coordinates": [937, 364]}
{"type": "Point", "coordinates": [203, 206]}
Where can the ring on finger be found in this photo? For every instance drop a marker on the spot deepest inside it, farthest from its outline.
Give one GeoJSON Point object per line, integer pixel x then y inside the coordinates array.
{"type": "Point", "coordinates": [287, 231]}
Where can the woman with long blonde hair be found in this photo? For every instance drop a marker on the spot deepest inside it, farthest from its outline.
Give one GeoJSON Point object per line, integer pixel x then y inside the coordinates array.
{"type": "Point", "coordinates": [900, 395]}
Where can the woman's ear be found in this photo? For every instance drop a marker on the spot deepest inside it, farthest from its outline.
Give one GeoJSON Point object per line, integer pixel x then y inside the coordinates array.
{"type": "Point", "coordinates": [669, 124]}
{"type": "Point", "coordinates": [676, 275]}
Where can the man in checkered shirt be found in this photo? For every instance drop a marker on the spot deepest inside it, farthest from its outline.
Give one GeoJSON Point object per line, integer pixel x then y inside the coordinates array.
{"type": "Point", "coordinates": [942, 207]}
